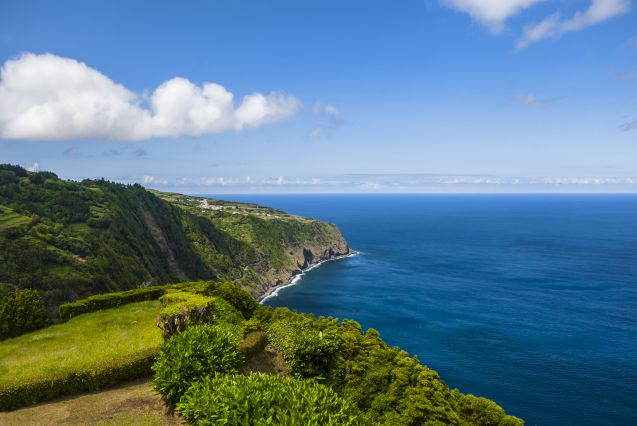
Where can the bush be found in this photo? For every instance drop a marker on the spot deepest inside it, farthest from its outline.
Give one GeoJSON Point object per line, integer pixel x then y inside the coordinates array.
{"type": "Point", "coordinates": [199, 351]}
{"type": "Point", "coordinates": [182, 309]}
{"type": "Point", "coordinates": [21, 311]}
{"type": "Point", "coordinates": [112, 372]}
{"type": "Point", "coordinates": [260, 399]}
{"type": "Point", "coordinates": [109, 300]}
{"type": "Point", "coordinates": [238, 297]}
{"type": "Point", "coordinates": [308, 349]}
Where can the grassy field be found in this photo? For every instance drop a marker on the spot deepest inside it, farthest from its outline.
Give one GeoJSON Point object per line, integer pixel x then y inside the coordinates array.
{"type": "Point", "coordinates": [10, 219]}
{"type": "Point", "coordinates": [129, 404]}
{"type": "Point", "coordinates": [83, 341]}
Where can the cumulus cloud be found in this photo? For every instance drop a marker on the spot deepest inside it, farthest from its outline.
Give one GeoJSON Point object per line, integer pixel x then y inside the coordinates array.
{"type": "Point", "coordinates": [47, 97]}
{"type": "Point", "coordinates": [493, 14]}
{"type": "Point", "coordinates": [553, 26]}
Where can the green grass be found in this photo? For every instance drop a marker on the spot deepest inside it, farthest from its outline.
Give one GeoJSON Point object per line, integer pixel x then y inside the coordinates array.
{"type": "Point", "coordinates": [10, 219]}
{"type": "Point", "coordinates": [83, 341]}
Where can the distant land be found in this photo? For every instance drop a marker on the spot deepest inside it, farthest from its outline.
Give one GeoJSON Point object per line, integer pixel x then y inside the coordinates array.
{"type": "Point", "coordinates": [70, 239]}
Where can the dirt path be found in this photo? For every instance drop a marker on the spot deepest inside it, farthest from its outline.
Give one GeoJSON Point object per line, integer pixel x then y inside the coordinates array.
{"type": "Point", "coordinates": [133, 403]}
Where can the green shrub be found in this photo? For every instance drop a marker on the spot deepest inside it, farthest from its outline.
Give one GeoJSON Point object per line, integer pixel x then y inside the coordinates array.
{"type": "Point", "coordinates": [239, 298]}
{"type": "Point", "coordinates": [182, 309]}
{"type": "Point", "coordinates": [481, 411]}
{"type": "Point", "coordinates": [108, 373]}
{"type": "Point", "coordinates": [263, 399]}
{"type": "Point", "coordinates": [21, 311]}
{"type": "Point", "coordinates": [109, 300]}
{"type": "Point", "coordinates": [309, 349]}
{"type": "Point", "coordinates": [200, 351]}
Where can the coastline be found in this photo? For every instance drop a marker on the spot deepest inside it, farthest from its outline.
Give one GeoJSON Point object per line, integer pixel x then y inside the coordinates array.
{"type": "Point", "coordinates": [274, 291]}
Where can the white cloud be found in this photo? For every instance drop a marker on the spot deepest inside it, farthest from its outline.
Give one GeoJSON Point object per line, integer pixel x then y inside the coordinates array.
{"type": "Point", "coordinates": [553, 26]}
{"type": "Point", "coordinates": [327, 109]}
{"type": "Point", "coordinates": [491, 13]}
{"type": "Point", "coordinates": [334, 120]}
{"type": "Point", "coordinates": [152, 180]}
{"type": "Point", "coordinates": [47, 97]}
{"type": "Point", "coordinates": [532, 100]}
{"type": "Point", "coordinates": [318, 132]}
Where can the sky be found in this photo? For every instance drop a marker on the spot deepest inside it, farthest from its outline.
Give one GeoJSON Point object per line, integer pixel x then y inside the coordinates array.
{"type": "Point", "coordinates": [237, 96]}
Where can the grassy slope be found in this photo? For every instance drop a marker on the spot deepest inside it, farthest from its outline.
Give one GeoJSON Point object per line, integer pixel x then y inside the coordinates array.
{"type": "Point", "coordinates": [73, 239]}
{"type": "Point", "coordinates": [83, 341]}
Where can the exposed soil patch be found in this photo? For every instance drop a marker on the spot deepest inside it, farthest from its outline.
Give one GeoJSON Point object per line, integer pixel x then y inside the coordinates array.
{"type": "Point", "coordinates": [133, 403]}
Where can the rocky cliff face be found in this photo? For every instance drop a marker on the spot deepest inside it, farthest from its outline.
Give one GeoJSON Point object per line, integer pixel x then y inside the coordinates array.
{"type": "Point", "coordinates": [271, 246]}
{"type": "Point", "coordinates": [304, 258]}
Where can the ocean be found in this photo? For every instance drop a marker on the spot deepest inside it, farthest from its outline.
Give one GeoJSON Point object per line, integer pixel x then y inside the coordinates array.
{"type": "Point", "coordinates": [529, 300]}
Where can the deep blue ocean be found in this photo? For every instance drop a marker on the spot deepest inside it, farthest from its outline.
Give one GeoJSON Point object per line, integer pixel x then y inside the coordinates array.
{"type": "Point", "coordinates": [529, 300]}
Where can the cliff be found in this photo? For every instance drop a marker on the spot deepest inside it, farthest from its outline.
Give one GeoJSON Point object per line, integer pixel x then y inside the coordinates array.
{"type": "Point", "coordinates": [72, 239]}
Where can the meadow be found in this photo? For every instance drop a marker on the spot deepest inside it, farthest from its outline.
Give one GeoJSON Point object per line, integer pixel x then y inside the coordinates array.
{"type": "Point", "coordinates": [83, 342]}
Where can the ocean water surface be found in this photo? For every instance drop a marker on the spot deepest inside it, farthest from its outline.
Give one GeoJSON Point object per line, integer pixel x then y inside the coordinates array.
{"type": "Point", "coordinates": [529, 300]}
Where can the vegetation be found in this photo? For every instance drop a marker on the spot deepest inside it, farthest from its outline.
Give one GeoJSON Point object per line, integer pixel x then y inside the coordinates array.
{"type": "Point", "coordinates": [338, 373]}
{"type": "Point", "coordinates": [109, 300]}
{"type": "Point", "coordinates": [182, 309]}
{"type": "Point", "coordinates": [69, 240]}
{"type": "Point", "coordinates": [89, 352]}
{"type": "Point", "coordinates": [263, 399]}
{"type": "Point", "coordinates": [387, 385]}
{"type": "Point", "coordinates": [64, 240]}
{"type": "Point", "coordinates": [21, 311]}
{"type": "Point", "coordinates": [198, 352]}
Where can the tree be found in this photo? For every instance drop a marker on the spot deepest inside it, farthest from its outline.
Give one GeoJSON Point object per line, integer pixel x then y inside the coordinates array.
{"type": "Point", "coordinates": [21, 311]}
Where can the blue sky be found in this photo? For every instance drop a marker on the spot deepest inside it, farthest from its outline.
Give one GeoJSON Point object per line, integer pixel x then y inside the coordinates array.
{"type": "Point", "coordinates": [324, 96]}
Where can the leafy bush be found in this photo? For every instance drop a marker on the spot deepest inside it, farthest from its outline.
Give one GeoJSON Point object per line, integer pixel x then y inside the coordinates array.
{"type": "Point", "coordinates": [21, 311]}
{"type": "Point", "coordinates": [108, 373]}
{"type": "Point", "coordinates": [200, 351]}
{"type": "Point", "coordinates": [309, 349]}
{"type": "Point", "coordinates": [239, 298]}
{"type": "Point", "coordinates": [182, 309]}
{"type": "Point", "coordinates": [109, 300]}
{"type": "Point", "coordinates": [387, 385]}
{"type": "Point", "coordinates": [263, 399]}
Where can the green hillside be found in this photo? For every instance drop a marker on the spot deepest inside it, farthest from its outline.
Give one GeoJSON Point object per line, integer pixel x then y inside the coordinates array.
{"type": "Point", "coordinates": [218, 367]}
{"type": "Point", "coordinates": [71, 239]}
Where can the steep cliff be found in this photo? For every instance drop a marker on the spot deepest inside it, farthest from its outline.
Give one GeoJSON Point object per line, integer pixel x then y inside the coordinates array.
{"type": "Point", "coordinates": [71, 239]}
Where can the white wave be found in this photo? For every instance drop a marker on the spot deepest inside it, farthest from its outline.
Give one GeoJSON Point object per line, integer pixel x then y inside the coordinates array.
{"type": "Point", "coordinates": [297, 278]}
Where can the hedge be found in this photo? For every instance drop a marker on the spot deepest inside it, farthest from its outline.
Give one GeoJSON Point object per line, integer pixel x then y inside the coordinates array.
{"type": "Point", "coordinates": [182, 309]}
{"type": "Point", "coordinates": [237, 297]}
{"type": "Point", "coordinates": [109, 300]}
{"type": "Point", "coordinates": [198, 352]}
{"type": "Point", "coordinates": [264, 399]}
{"type": "Point", "coordinates": [108, 373]}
